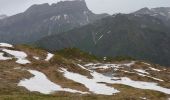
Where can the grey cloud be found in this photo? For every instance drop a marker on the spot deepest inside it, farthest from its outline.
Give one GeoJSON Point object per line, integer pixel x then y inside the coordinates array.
{"type": "Point", "coordinates": [11, 7]}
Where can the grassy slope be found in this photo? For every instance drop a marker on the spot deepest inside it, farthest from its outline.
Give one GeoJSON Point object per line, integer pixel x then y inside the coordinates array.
{"type": "Point", "coordinates": [66, 58]}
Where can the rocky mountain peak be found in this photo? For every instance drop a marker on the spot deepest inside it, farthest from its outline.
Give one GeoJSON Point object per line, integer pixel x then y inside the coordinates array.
{"type": "Point", "coordinates": [62, 6]}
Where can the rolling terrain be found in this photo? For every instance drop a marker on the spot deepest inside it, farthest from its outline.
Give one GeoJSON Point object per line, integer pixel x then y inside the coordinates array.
{"type": "Point", "coordinates": [32, 73]}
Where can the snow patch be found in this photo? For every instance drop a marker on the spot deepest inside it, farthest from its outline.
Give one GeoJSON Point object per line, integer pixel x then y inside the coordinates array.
{"type": "Point", "coordinates": [65, 16]}
{"type": "Point", "coordinates": [49, 56]}
{"type": "Point", "coordinates": [146, 63]}
{"type": "Point", "coordinates": [92, 84]}
{"type": "Point", "coordinates": [40, 83]}
{"type": "Point", "coordinates": [143, 98]}
{"type": "Point", "coordinates": [97, 77]}
{"type": "Point", "coordinates": [141, 71]}
{"type": "Point", "coordinates": [21, 56]}
{"type": "Point", "coordinates": [35, 57]}
{"type": "Point", "coordinates": [154, 69]}
{"type": "Point", "coordinates": [86, 14]}
{"type": "Point", "coordinates": [150, 77]}
{"type": "Point", "coordinates": [107, 66]}
{"type": "Point", "coordinates": [55, 18]}
{"type": "Point", "coordinates": [100, 37]}
{"type": "Point", "coordinates": [6, 45]}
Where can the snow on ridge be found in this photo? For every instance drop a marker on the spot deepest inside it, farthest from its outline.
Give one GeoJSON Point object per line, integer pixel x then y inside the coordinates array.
{"type": "Point", "coordinates": [49, 56]}
{"type": "Point", "coordinates": [6, 45]}
{"type": "Point", "coordinates": [42, 84]}
{"type": "Point", "coordinates": [20, 55]}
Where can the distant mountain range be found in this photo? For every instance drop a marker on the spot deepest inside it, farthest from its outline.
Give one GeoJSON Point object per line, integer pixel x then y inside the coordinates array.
{"type": "Point", "coordinates": [139, 35]}
{"type": "Point", "coordinates": [42, 20]}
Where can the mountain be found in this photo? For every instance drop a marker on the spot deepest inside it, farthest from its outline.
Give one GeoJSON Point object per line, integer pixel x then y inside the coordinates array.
{"type": "Point", "coordinates": [3, 16]}
{"type": "Point", "coordinates": [138, 36]}
{"type": "Point", "coordinates": [42, 20]}
{"type": "Point", "coordinates": [71, 74]}
{"type": "Point", "coordinates": [162, 13]}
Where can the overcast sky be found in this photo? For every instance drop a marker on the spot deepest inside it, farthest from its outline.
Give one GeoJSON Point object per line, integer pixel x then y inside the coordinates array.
{"type": "Point", "coordinates": [11, 7]}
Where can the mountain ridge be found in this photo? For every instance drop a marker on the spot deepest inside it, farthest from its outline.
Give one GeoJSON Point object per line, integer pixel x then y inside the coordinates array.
{"type": "Point", "coordinates": [43, 20]}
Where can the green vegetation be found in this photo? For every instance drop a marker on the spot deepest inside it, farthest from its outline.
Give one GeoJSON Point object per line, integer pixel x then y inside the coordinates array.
{"type": "Point", "coordinates": [75, 53]}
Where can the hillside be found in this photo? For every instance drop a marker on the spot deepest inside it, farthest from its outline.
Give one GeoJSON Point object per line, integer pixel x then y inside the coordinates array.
{"type": "Point", "coordinates": [43, 20]}
{"type": "Point", "coordinates": [32, 73]}
{"type": "Point", "coordinates": [138, 36]}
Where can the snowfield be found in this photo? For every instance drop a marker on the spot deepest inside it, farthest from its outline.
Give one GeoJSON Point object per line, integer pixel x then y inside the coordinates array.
{"type": "Point", "coordinates": [91, 84]}
{"type": "Point", "coordinates": [42, 84]}
{"type": "Point", "coordinates": [21, 56]}
{"type": "Point", "coordinates": [95, 86]}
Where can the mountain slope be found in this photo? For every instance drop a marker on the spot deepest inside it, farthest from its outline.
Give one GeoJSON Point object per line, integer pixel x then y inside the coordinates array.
{"type": "Point", "coordinates": [162, 13]}
{"type": "Point", "coordinates": [32, 73]}
{"type": "Point", "coordinates": [143, 37]}
{"type": "Point", "coordinates": [43, 20]}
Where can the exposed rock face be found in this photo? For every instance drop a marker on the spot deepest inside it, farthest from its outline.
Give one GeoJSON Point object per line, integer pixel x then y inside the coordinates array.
{"type": "Point", "coordinates": [43, 20]}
